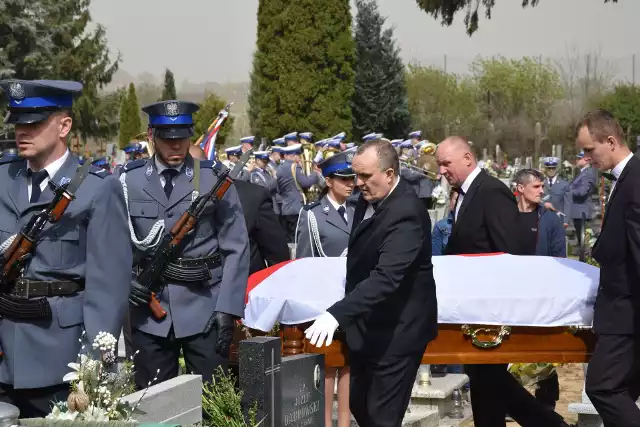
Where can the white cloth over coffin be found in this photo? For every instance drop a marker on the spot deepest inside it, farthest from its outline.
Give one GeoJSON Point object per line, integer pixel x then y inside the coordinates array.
{"type": "Point", "coordinates": [493, 290]}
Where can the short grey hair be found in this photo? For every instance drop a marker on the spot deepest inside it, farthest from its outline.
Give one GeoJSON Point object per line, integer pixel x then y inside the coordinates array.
{"type": "Point", "coordinates": [525, 176]}
{"type": "Point", "coordinates": [387, 154]}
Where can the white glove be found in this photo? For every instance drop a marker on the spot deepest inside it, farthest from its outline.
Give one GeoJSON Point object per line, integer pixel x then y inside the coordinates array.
{"type": "Point", "coordinates": [322, 329]}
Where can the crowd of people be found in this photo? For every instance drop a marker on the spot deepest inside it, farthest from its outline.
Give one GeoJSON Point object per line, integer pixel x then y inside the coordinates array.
{"type": "Point", "coordinates": [90, 268]}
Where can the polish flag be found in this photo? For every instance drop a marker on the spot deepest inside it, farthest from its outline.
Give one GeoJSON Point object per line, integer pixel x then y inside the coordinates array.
{"type": "Point", "coordinates": [490, 289]}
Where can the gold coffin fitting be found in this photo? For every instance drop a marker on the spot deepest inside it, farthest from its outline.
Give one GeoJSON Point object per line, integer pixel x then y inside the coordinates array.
{"type": "Point", "coordinates": [500, 333]}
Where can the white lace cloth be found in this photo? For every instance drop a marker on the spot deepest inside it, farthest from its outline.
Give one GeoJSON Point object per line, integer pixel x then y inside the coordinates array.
{"type": "Point", "coordinates": [494, 290]}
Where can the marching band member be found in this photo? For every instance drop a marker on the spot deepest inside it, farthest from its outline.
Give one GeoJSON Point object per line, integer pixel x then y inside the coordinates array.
{"type": "Point", "coordinates": [260, 175]}
{"type": "Point", "coordinates": [305, 137]}
{"type": "Point", "coordinates": [246, 143]}
{"type": "Point", "coordinates": [233, 156]}
{"type": "Point", "coordinates": [341, 139]}
{"type": "Point", "coordinates": [291, 138]}
{"type": "Point", "coordinates": [415, 137]}
{"type": "Point", "coordinates": [291, 183]}
{"type": "Point", "coordinates": [323, 230]}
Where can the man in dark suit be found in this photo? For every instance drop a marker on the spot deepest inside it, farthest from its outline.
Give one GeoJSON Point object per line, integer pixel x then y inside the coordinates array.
{"type": "Point", "coordinates": [389, 312]}
{"type": "Point", "coordinates": [267, 239]}
{"type": "Point", "coordinates": [486, 221]}
{"type": "Point", "coordinates": [613, 377]}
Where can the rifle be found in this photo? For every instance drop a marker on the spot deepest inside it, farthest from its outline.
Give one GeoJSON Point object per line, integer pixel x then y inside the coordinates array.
{"type": "Point", "coordinates": [171, 243]}
{"type": "Point", "coordinates": [17, 254]}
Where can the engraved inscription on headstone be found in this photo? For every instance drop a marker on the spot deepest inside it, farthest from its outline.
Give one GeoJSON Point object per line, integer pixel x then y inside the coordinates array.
{"type": "Point", "coordinates": [303, 391]}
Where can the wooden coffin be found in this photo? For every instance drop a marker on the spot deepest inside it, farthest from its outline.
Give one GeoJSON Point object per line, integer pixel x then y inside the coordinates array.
{"type": "Point", "coordinates": [468, 344]}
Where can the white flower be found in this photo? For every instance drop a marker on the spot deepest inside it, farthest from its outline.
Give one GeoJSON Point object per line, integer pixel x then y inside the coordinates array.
{"type": "Point", "coordinates": [105, 342]}
{"type": "Point", "coordinates": [95, 414]}
{"type": "Point", "coordinates": [57, 414]}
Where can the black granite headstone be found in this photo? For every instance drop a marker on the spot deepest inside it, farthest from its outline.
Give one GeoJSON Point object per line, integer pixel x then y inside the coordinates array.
{"type": "Point", "coordinates": [260, 378]}
{"type": "Point", "coordinates": [303, 391]}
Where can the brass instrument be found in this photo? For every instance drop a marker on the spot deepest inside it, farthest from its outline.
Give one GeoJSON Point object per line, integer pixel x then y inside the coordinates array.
{"type": "Point", "coordinates": [425, 172]}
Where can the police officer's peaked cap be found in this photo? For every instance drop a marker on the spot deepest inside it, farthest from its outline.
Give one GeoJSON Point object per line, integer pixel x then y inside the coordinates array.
{"type": "Point", "coordinates": [305, 135]}
{"type": "Point", "coordinates": [172, 119]}
{"type": "Point", "coordinates": [262, 155]}
{"type": "Point", "coordinates": [134, 147]}
{"type": "Point", "coordinates": [337, 165]}
{"type": "Point", "coordinates": [279, 142]}
{"type": "Point", "coordinates": [101, 162]}
{"type": "Point", "coordinates": [551, 162]}
{"type": "Point", "coordinates": [33, 101]}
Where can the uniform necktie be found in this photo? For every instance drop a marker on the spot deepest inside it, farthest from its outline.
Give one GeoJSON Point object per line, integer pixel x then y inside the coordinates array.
{"type": "Point", "coordinates": [168, 175]}
{"type": "Point", "coordinates": [342, 211]}
{"type": "Point", "coordinates": [36, 180]}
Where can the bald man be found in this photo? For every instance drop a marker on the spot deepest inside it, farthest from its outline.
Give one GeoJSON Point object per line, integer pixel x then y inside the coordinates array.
{"type": "Point", "coordinates": [486, 221]}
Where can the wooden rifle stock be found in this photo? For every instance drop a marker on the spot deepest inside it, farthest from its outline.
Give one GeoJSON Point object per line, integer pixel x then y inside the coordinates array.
{"type": "Point", "coordinates": [156, 309]}
{"type": "Point", "coordinates": [20, 247]}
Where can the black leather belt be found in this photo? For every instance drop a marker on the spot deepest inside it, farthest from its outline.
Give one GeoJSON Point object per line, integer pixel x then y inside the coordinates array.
{"type": "Point", "coordinates": [190, 269]}
{"type": "Point", "coordinates": [26, 288]}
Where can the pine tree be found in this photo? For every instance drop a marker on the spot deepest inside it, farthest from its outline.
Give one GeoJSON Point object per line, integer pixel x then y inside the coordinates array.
{"type": "Point", "coordinates": [169, 91]}
{"type": "Point", "coordinates": [130, 123]}
{"type": "Point", "coordinates": [380, 102]}
{"type": "Point", "coordinates": [303, 68]}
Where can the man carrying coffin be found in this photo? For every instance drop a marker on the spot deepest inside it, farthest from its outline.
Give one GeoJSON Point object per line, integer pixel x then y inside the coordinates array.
{"type": "Point", "coordinates": [613, 377]}
{"type": "Point", "coordinates": [486, 221]}
{"type": "Point", "coordinates": [389, 312]}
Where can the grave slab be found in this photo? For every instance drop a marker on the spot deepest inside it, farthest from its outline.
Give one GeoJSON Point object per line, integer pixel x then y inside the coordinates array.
{"type": "Point", "coordinates": [260, 378]}
{"type": "Point", "coordinates": [176, 401]}
{"type": "Point", "coordinates": [437, 395]}
{"type": "Point", "coordinates": [303, 397]}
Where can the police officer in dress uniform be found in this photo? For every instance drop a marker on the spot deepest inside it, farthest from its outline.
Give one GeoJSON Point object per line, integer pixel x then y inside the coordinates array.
{"type": "Point", "coordinates": [260, 174]}
{"type": "Point", "coordinates": [578, 201]}
{"type": "Point", "coordinates": [555, 186]}
{"type": "Point", "coordinates": [102, 163]}
{"type": "Point", "coordinates": [74, 264]}
{"type": "Point", "coordinates": [291, 139]}
{"type": "Point", "coordinates": [210, 276]}
{"type": "Point", "coordinates": [324, 226]}
{"type": "Point", "coordinates": [233, 156]}
{"type": "Point", "coordinates": [291, 182]}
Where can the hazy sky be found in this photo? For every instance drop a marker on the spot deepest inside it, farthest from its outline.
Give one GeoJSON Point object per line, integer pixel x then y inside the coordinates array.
{"type": "Point", "coordinates": [213, 40]}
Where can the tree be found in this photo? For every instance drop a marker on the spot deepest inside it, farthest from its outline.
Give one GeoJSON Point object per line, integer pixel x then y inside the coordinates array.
{"type": "Point", "coordinates": [302, 75]}
{"type": "Point", "coordinates": [379, 103]}
{"type": "Point", "coordinates": [52, 39]}
{"type": "Point", "coordinates": [209, 109]}
{"type": "Point", "coordinates": [130, 123]}
{"type": "Point", "coordinates": [169, 91]}
{"type": "Point", "coordinates": [442, 103]}
{"type": "Point", "coordinates": [446, 10]}
{"type": "Point", "coordinates": [624, 104]}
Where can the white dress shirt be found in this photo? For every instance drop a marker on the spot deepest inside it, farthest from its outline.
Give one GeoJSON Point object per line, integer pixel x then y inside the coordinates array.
{"type": "Point", "coordinates": [617, 171]}
{"type": "Point", "coordinates": [465, 187]}
{"type": "Point", "coordinates": [52, 170]}
{"type": "Point", "coordinates": [161, 167]}
{"type": "Point", "coordinates": [337, 206]}
{"type": "Point", "coordinates": [370, 209]}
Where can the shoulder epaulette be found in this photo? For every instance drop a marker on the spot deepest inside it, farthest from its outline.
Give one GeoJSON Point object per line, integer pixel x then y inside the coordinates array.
{"type": "Point", "coordinates": [134, 164]}
{"type": "Point", "coordinates": [218, 167]}
{"type": "Point", "coordinates": [9, 159]}
{"type": "Point", "coordinates": [99, 172]}
{"type": "Point", "coordinates": [310, 206]}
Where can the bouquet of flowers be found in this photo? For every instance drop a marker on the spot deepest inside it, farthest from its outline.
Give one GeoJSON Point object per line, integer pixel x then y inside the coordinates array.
{"type": "Point", "coordinates": [532, 373]}
{"type": "Point", "coordinates": [97, 387]}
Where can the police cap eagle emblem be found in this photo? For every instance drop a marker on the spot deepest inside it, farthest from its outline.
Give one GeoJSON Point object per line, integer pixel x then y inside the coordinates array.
{"type": "Point", "coordinates": [16, 90]}
{"type": "Point", "coordinates": [171, 108]}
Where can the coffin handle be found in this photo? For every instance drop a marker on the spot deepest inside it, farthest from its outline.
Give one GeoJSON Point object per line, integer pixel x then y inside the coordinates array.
{"type": "Point", "coordinates": [500, 334]}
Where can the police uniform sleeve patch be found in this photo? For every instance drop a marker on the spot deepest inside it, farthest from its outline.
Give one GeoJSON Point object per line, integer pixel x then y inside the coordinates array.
{"type": "Point", "coordinates": [99, 172]}
{"type": "Point", "coordinates": [310, 206]}
{"type": "Point", "coordinates": [134, 164]}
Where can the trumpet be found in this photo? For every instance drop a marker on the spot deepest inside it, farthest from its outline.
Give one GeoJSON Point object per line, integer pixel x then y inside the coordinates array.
{"type": "Point", "coordinates": [425, 172]}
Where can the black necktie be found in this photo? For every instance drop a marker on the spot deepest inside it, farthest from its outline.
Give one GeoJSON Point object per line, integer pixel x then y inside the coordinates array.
{"type": "Point", "coordinates": [36, 180]}
{"type": "Point", "coordinates": [341, 211]}
{"type": "Point", "coordinates": [609, 176]}
{"type": "Point", "coordinates": [460, 191]}
{"type": "Point", "coordinates": [168, 175]}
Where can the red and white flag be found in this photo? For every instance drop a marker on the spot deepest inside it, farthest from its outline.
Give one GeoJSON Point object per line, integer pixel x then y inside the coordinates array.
{"type": "Point", "coordinates": [495, 289]}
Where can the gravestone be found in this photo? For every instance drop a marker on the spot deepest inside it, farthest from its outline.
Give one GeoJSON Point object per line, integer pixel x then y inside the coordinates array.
{"type": "Point", "coordinates": [303, 396]}
{"type": "Point", "coordinates": [289, 391]}
{"type": "Point", "coordinates": [260, 378]}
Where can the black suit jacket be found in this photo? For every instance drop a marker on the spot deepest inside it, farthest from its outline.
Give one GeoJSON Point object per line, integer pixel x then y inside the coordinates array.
{"type": "Point", "coordinates": [267, 240]}
{"type": "Point", "coordinates": [487, 221]}
{"type": "Point", "coordinates": [390, 304]}
{"type": "Point", "coordinates": [617, 250]}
